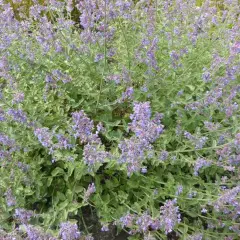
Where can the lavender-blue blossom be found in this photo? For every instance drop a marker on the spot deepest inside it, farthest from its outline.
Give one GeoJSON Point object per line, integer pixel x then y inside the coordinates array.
{"type": "Point", "coordinates": [63, 142]}
{"type": "Point", "coordinates": [127, 95]}
{"type": "Point", "coordinates": [142, 125]}
{"type": "Point", "coordinates": [10, 198]}
{"type": "Point", "coordinates": [228, 197]}
{"type": "Point", "coordinates": [127, 220]}
{"type": "Point", "coordinates": [69, 231]}
{"type": "Point", "coordinates": [18, 97]}
{"type": "Point", "coordinates": [179, 190]}
{"type": "Point", "coordinates": [143, 222]}
{"type": "Point", "coordinates": [6, 141]}
{"type": "Point", "coordinates": [34, 233]}
{"type": "Point", "coordinates": [83, 127]}
{"type": "Point", "coordinates": [18, 115]}
{"type": "Point", "coordinates": [169, 216]}
{"type": "Point", "coordinates": [92, 154]}
{"type": "Point", "coordinates": [90, 190]}
{"type": "Point", "coordinates": [23, 215]}
{"type": "Point", "coordinates": [44, 136]}
{"type": "Point", "coordinates": [163, 155]}
{"type": "Point", "coordinates": [105, 228]}
{"type": "Point", "coordinates": [132, 153]}
{"type": "Point", "coordinates": [200, 163]}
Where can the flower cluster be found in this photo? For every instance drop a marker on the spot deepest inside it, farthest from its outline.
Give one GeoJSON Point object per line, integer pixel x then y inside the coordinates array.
{"type": "Point", "coordinates": [200, 163]}
{"type": "Point", "coordinates": [168, 219]}
{"type": "Point", "coordinates": [66, 64]}
{"type": "Point", "coordinates": [198, 142]}
{"type": "Point", "coordinates": [10, 198]}
{"type": "Point", "coordinates": [83, 127]}
{"type": "Point", "coordinates": [144, 128]}
{"type": "Point", "coordinates": [17, 115]}
{"type": "Point", "coordinates": [44, 136]}
{"type": "Point", "coordinates": [23, 215]}
{"type": "Point", "coordinates": [228, 197]}
{"type": "Point", "coordinates": [146, 132]}
{"type": "Point", "coordinates": [34, 233]}
{"type": "Point", "coordinates": [170, 216]}
{"type": "Point", "coordinates": [69, 231]}
{"type": "Point", "coordinates": [92, 154]}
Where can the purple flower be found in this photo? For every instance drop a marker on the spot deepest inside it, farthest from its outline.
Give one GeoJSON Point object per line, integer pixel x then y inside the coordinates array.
{"type": "Point", "coordinates": [144, 170]}
{"type": "Point", "coordinates": [59, 76]}
{"type": "Point", "coordinates": [228, 197]}
{"type": "Point", "coordinates": [206, 76]}
{"type": "Point", "coordinates": [204, 210]}
{"type": "Point", "coordinates": [169, 216]}
{"type": "Point", "coordinates": [24, 167]}
{"type": "Point", "coordinates": [99, 57]}
{"type": "Point", "coordinates": [144, 88]}
{"type": "Point", "coordinates": [90, 190]}
{"type": "Point", "coordinates": [69, 231]}
{"type": "Point", "coordinates": [23, 215]}
{"type": "Point", "coordinates": [179, 190]}
{"type": "Point", "coordinates": [17, 115]}
{"type": "Point", "coordinates": [200, 163]}
{"type": "Point", "coordinates": [116, 78]}
{"type": "Point", "coordinates": [211, 126]}
{"type": "Point", "coordinates": [236, 48]}
{"type": "Point", "coordinates": [127, 220]}
{"type": "Point", "coordinates": [2, 115]}
{"type": "Point", "coordinates": [6, 141]}
{"type": "Point", "coordinates": [156, 224]}
{"type": "Point", "coordinates": [164, 155]}
{"type": "Point", "coordinates": [35, 233]}
{"type": "Point", "coordinates": [175, 57]}
{"type": "Point", "coordinates": [144, 128]}
{"type": "Point", "coordinates": [105, 228]}
{"type": "Point", "coordinates": [200, 142]}
{"type": "Point", "coordinates": [83, 127]}
{"type": "Point", "coordinates": [188, 135]}
{"type": "Point", "coordinates": [144, 222]}
{"type": "Point", "coordinates": [132, 153]}
{"type": "Point", "coordinates": [126, 75]}
{"type": "Point", "coordinates": [5, 155]}
{"type": "Point", "coordinates": [10, 198]}
{"type": "Point", "coordinates": [44, 136]}
{"type": "Point", "coordinates": [180, 93]}
{"type": "Point", "coordinates": [18, 98]}
{"type": "Point", "coordinates": [93, 155]}
{"type": "Point", "coordinates": [146, 131]}
{"type": "Point", "coordinates": [100, 128]}
{"type": "Point", "coordinates": [63, 142]}
{"type": "Point", "coordinates": [127, 95]}
{"type": "Point", "coordinates": [69, 6]}
{"type": "Point", "coordinates": [192, 194]}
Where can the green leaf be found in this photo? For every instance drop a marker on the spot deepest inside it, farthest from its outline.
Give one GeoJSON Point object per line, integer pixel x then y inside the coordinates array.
{"type": "Point", "coordinates": [57, 171]}
{"type": "Point", "coordinates": [78, 189]}
{"type": "Point", "coordinates": [63, 205]}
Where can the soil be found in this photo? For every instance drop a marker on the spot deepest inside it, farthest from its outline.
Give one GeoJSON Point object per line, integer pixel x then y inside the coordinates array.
{"type": "Point", "coordinates": [93, 225]}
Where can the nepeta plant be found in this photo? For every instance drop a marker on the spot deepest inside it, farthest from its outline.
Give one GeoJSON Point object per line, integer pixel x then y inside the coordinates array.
{"type": "Point", "coordinates": [132, 111]}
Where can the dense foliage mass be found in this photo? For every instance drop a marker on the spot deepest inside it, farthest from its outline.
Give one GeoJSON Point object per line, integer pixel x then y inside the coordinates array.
{"type": "Point", "coordinates": [133, 110]}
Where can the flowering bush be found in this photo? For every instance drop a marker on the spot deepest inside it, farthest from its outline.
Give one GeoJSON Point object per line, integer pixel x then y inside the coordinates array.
{"type": "Point", "coordinates": [133, 111]}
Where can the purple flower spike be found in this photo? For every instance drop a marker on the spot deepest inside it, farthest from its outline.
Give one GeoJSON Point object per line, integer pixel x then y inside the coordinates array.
{"type": "Point", "coordinates": [69, 231]}
{"type": "Point", "coordinates": [169, 216]}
